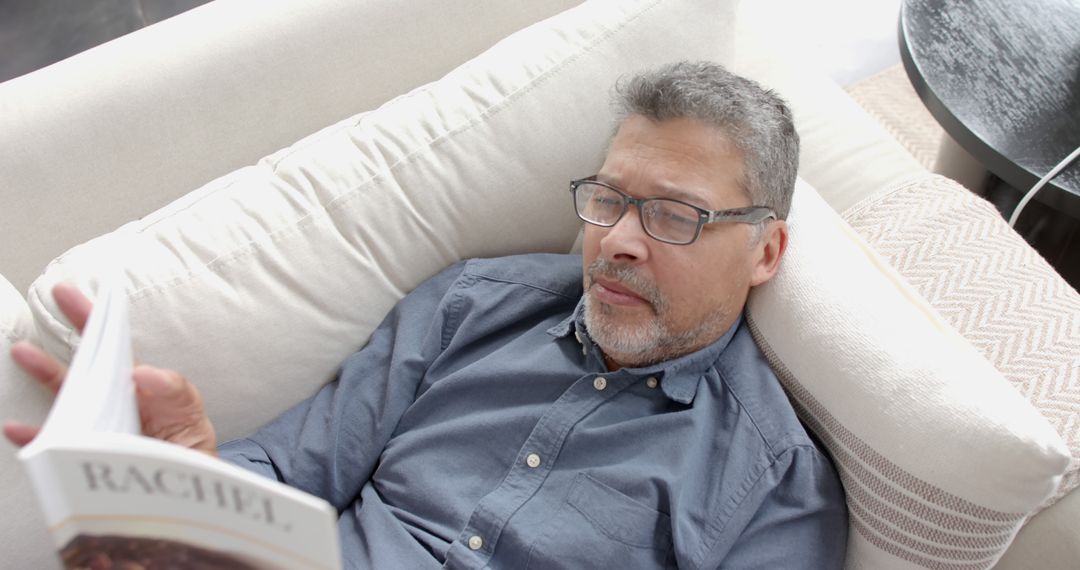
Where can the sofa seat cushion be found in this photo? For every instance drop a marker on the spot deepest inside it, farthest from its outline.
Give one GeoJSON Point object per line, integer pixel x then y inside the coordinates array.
{"type": "Point", "coordinates": [941, 459]}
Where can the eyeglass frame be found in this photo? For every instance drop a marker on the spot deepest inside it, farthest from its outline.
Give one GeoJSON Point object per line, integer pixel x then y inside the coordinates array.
{"type": "Point", "coordinates": [745, 215]}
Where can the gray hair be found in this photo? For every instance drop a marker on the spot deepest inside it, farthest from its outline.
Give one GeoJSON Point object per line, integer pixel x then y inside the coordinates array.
{"type": "Point", "coordinates": [756, 120]}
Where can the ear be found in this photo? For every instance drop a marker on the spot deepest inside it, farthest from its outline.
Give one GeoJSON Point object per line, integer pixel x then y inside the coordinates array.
{"type": "Point", "coordinates": [768, 251]}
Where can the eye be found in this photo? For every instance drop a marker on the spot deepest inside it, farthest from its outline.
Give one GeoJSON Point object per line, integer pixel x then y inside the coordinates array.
{"type": "Point", "coordinates": [605, 199]}
{"type": "Point", "coordinates": [673, 214]}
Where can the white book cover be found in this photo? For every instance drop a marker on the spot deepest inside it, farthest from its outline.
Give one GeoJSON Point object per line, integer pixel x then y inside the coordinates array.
{"type": "Point", "coordinates": [115, 499]}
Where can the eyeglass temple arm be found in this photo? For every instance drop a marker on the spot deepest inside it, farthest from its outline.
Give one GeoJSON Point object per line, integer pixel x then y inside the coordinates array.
{"type": "Point", "coordinates": [751, 215]}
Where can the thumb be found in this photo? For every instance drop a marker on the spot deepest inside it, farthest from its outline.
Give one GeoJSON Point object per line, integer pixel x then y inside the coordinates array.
{"type": "Point", "coordinates": [172, 409]}
{"type": "Point", "coordinates": [163, 387]}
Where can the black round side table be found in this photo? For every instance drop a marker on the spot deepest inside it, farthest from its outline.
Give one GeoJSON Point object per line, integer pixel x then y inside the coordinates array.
{"type": "Point", "coordinates": [1002, 77]}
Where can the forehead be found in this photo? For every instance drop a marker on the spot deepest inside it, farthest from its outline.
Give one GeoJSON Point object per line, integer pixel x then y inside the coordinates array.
{"type": "Point", "coordinates": [678, 158]}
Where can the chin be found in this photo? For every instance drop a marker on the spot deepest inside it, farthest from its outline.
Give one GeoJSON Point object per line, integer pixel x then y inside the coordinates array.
{"type": "Point", "coordinates": [628, 341]}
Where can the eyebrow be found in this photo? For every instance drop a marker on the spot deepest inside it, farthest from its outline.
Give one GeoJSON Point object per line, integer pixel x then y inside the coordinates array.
{"type": "Point", "coordinates": [673, 192]}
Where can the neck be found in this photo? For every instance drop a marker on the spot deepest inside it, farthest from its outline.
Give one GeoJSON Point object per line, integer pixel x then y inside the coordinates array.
{"type": "Point", "coordinates": [610, 362]}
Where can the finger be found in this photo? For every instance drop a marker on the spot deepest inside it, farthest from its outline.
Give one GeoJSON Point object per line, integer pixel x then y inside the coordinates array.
{"type": "Point", "coordinates": [75, 306]}
{"type": "Point", "coordinates": [172, 409]}
{"type": "Point", "coordinates": [38, 364]}
{"type": "Point", "coordinates": [19, 433]}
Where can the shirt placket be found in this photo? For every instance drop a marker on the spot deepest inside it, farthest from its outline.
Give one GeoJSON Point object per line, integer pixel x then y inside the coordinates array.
{"type": "Point", "coordinates": [476, 543]}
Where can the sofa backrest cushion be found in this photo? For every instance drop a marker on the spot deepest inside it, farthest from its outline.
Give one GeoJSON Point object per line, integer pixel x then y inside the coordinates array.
{"type": "Point", "coordinates": [942, 460]}
{"type": "Point", "coordinates": [140, 121]}
{"type": "Point", "coordinates": [259, 284]}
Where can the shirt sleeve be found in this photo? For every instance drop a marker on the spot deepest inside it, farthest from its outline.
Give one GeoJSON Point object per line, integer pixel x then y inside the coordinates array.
{"type": "Point", "coordinates": [794, 517]}
{"type": "Point", "coordinates": [329, 444]}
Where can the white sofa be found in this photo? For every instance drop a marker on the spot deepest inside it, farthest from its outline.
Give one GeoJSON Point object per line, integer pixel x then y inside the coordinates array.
{"type": "Point", "coordinates": [141, 122]}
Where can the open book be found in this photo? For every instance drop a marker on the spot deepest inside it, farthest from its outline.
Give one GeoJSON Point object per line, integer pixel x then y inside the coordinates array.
{"type": "Point", "coordinates": [116, 499]}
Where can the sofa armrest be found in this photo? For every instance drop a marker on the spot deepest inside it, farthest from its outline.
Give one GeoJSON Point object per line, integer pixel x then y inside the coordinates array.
{"type": "Point", "coordinates": [122, 129]}
{"type": "Point", "coordinates": [1048, 540]}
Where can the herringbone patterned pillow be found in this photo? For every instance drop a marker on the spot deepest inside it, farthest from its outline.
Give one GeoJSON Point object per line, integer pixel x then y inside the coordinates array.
{"type": "Point", "coordinates": [957, 251]}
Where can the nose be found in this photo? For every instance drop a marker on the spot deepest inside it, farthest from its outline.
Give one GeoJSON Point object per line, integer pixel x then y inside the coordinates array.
{"type": "Point", "coordinates": [626, 241]}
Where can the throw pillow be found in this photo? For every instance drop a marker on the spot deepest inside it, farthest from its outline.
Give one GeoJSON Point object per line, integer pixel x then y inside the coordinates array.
{"type": "Point", "coordinates": [941, 459]}
{"type": "Point", "coordinates": [957, 251]}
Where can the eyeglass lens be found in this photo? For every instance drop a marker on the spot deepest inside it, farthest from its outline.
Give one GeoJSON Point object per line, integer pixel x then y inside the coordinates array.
{"type": "Point", "coordinates": [663, 219]}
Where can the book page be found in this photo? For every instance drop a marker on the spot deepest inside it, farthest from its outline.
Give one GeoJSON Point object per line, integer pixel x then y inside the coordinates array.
{"type": "Point", "coordinates": [98, 393]}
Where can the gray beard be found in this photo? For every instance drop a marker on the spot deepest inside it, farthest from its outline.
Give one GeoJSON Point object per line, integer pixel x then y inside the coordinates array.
{"type": "Point", "coordinates": [649, 342]}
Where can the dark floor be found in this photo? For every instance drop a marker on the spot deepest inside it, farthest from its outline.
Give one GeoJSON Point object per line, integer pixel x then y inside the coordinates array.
{"type": "Point", "coordinates": [36, 33]}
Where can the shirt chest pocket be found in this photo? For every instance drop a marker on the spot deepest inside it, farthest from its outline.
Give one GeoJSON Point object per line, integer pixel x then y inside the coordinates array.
{"type": "Point", "coordinates": [599, 527]}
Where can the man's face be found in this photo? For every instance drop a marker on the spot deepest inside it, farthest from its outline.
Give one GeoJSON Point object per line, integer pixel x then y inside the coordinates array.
{"type": "Point", "coordinates": [647, 301]}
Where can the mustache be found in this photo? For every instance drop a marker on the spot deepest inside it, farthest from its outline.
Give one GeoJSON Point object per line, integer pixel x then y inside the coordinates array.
{"type": "Point", "coordinates": [628, 276]}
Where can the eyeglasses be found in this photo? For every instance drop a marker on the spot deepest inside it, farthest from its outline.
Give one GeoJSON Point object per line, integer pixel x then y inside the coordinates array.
{"type": "Point", "coordinates": [664, 219]}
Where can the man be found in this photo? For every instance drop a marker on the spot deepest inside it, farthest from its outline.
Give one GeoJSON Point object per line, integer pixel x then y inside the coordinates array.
{"type": "Point", "coordinates": [545, 411]}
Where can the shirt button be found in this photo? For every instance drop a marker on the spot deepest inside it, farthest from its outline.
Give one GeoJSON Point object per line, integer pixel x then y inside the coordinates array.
{"type": "Point", "coordinates": [533, 460]}
{"type": "Point", "coordinates": [651, 382]}
{"type": "Point", "coordinates": [475, 542]}
{"type": "Point", "coordinates": [599, 383]}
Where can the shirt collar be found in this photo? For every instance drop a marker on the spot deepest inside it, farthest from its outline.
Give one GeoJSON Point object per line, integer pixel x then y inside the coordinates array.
{"type": "Point", "coordinates": [679, 377]}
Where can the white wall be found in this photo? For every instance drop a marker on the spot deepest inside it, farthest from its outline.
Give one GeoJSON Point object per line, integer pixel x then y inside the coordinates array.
{"type": "Point", "coordinates": [849, 39]}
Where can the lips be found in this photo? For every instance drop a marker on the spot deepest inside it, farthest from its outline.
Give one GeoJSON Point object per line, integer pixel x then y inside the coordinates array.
{"type": "Point", "coordinates": [612, 293]}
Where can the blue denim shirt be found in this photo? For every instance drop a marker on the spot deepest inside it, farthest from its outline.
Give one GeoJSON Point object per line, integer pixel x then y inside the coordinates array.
{"type": "Point", "coordinates": [480, 428]}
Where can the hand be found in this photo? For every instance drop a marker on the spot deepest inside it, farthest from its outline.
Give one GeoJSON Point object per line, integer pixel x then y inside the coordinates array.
{"type": "Point", "coordinates": [170, 407]}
